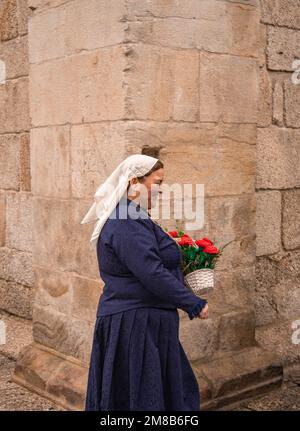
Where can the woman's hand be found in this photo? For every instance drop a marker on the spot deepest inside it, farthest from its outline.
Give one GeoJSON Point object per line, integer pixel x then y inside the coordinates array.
{"type": "Point", "coordinates": [204, 313]}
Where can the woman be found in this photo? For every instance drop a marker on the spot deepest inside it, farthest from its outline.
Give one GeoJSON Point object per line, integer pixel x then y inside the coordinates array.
{"type": "Point", "coordinates": [137, 361]}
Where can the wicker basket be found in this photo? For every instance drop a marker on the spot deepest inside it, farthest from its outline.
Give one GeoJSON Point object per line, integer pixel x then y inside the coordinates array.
{"type": "Point", "coordinates": [200, 281]}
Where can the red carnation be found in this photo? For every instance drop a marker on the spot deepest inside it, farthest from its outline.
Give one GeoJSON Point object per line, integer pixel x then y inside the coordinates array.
{"type": "Point", "coordinates": [185, 240]}
{"type": "Point", "coordinates": [211, 249]}
{"type": "Point", "coordinates": [208, 240]}
{"type": "Point", "coordinates": [202, 243]}
{"type": "Point", "coordinates": [173, 233]}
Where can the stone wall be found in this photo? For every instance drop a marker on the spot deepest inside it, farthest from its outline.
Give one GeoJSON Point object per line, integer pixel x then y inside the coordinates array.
{"type": "Point", "coordinates": [277, 293]}
{"type": "Point", "coordinates": [17, 278]}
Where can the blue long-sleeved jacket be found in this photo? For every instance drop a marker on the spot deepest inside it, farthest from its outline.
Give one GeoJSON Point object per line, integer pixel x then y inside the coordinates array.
{"type": "Point", "coordinates": [140, 265]}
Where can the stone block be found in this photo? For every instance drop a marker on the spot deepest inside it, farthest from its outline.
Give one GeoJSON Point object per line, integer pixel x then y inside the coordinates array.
{"type": "Point", "coordinates": [268, 222]}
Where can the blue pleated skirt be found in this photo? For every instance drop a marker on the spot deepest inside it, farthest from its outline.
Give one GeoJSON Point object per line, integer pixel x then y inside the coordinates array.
{"type": "Point", "coordinates": [138, 363]}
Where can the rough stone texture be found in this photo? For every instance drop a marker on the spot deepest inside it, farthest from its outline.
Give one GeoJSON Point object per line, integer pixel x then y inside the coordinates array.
{"type": "Point", "coordinates": [2, 219]}
{"type": "Point", "coordinates": [14, 162]}
{"type": "Point", "coordinates": [16, 266]}
{"type": "Point", "coordinates": [278, 160]}
{"type": "Point", "coordinates": [96, 149]}
{"type": "Point", "coordinates": [228, 88]}
{"type": "Point", "coordinates": [15, 55]}
{"type": "Point", "coordinates": [19, 224]}
{"type": "Point", "coordinates": [59, 331]}
{"type": "Point", "coordinates": [9, 20]}
{"type": "Point", "coordinates": [14, 397]}
{"type": "Point", "coordinates": [265, 99]}
{"type": "Point", "coordinates": [283, 47]}
{"type": "Point", "coordinates": [79, 94]}
{"type": "Point", "coordinates": [276, 273]}
{"type": "Point", "coordinates": [165, 25]}
{"type": "Point", "coordinates": [65, 30]}
{"type": "Point", "coordinates": [14, 116]}
{"type": "Point", "coordinates": [62, 380]}
{"type": "Point", "coordinates": [50, 158]}
{"type": "Point", "coordinates": [278, 103]}
{"type": "Point", "coordinates": [268, 222]}
{"type": "Point", "coordinates": [233, 376]}
{"type": "Point", "coordinates": [59, 240]}
{"type": "Point", "coordinates": [16, 298]}
{"type": "Point", "coordinates": [290, 219]}
{"type": "Point", "coordinates": [161, 87]}
{"type": "Point", "coordinates": [281, 12]}
{"type": "Point", "coordinates": [291, 103]}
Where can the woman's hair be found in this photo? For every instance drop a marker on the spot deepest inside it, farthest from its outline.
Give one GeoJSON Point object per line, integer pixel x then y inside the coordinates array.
{"type": "Point", "coordinates": [158, 165]}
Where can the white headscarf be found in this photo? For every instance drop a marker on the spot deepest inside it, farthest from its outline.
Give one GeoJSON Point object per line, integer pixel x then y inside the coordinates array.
{"type": "Point", "coordinates": [110, 192]}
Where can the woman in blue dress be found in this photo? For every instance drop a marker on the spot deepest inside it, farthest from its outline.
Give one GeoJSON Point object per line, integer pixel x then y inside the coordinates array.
{"type": "Point", "coordinates": [137, 361]}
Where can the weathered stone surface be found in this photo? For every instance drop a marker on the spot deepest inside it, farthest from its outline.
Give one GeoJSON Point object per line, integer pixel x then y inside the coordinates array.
{"type": "Point", "coordinates": [265, 98]}
{"type": "Point", "coordinates": [60, 241]}
{"type": "Point", "coordinates": [278, 271]}
{"type": "Point", "coordinates": [192, 9]}
{"type": "Point", "coordinates": [86, 294]}
{"type": "Point", "coordinates": [233, 219]}
{"type": "Point", "coordinates": [18, 335]}
{"type": "Point", "coordinates": [14, 116]}
{"type": "Point", "coordinates": [278, 155]}
{"type": "Point", "coordinates": [69, 385]}
{"type": "Point", "coordinates": [15, 55]}
{"type": "Point", "coordinates": [268, 222]}
{"type": "Point", "coordinates": [291, 219]}
{"type": "Point", "coordinates": [8, 20]}
{"type": "Point", "coordinates": [281, 13]}
{"type": "Point", "coordinates": [63, 333]}
{"type": "Point", "coordinates": [280, 337]}
{"type": "Point", "coordinates": [9, 161]}
{"type": "Point", "coordinates": [16, 298]}
{"type": "Point", "coordinates": [228, 328]}
{"type": "Point", "coordinates": [205, 26]}
{"type": "Point", "coordinates": [65, 30]}
{"type": "Point", "coordinates": [228, 88]}
{"type": "Point", "coordinates": [79, 94]}
{"type": "Point", "coordinates": [235, 286]}
{"type": "Point", "coordinates": [24, 165]}
{"type": "Point", "coordinates": [292, 103]}
{"type": "Point", "coordinates": [2, 219]}
{"type": "Point", "coordinates": [250, 366]}
{"type": "Point", "coordinates": [55, 377]}
{"type": "Point", "coordinates": [16, 266]}
{"type": "Point", "coordinates": [19, 223]}
{"type": "Point", "coordinates": [286, 296]}
{"type": "Point", "coordinates": [54, 289]}
{"type": "Point", "coordinates": [50, 158]}
{"type": "Point", "coordinates": [23, 13]}
{"type": "Point", "coordinates": [36, 366]}
{"type": "Point", "coordinates": [160, 85]}
{"type": "Point", "coordinates": [278, 103]}
{"type": "Point", "coordinates": [96, 150]}
{"type": "Point", "coordinates": [283, 47]}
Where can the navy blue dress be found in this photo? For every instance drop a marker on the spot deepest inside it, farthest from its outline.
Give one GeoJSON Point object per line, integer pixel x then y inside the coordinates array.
{"type": "Point", "coordinates": [137, 361]}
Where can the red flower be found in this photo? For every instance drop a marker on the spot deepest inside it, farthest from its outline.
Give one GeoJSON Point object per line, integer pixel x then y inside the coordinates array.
{"type": "Point", "coordinates": [173, 233]}
{"type": "Point", "coordinates": [211, 249]}
{"type": "Point", "coordinates": [207, 240]}
{"type": "Point", "coordinates": [202, 243]}
{"type": "Point", "coordinates": [185, 240]}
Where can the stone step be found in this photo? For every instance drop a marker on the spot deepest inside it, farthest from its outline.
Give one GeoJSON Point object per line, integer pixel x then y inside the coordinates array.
{"type": "Point", "coordinates": [228, 328]}
{"type": "Point", "coordinates": [234, 376]}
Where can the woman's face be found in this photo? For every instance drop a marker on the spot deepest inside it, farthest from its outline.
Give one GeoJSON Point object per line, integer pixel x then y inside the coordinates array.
{"type": "Point", "coordinates": [146, 192]}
